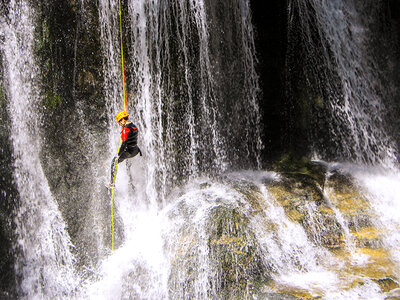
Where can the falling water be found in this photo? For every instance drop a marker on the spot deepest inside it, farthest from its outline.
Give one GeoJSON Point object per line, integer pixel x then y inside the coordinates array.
{"type": "Point", "coordinates": [44, 262]}
{"type": "Point", "coordinates": [108, 15]}
{"type": "Point", "coordinates": [338, 38]}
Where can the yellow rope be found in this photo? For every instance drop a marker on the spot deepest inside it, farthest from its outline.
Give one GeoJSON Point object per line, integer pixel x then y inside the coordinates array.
{"type": "Point", "coordinates": [112, 208]}
{"type": "Point", "coordinates": [112, 202]}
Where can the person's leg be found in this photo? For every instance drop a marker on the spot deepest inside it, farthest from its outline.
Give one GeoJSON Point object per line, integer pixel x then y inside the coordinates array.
{"type": "Point", "coordinates": [124, 155]}
{"type": "Point", "coordinates": [120, 159]}
{"type": "Point", "coordinates": [135, 151]}
{"type": "Point", "coordinates": [113, 165]}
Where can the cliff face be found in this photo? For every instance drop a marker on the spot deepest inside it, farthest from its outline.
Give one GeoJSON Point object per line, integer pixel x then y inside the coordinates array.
{"type": "Point", "coordinates": [9, 199]}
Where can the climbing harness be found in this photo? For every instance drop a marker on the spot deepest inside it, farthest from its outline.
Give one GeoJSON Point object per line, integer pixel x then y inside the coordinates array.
{"type": "Point", "coordinates": [120, 141]}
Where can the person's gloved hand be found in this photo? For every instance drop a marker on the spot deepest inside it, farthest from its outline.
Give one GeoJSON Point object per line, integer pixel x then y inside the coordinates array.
{"type": "Point", "coordinates": [114, 162]}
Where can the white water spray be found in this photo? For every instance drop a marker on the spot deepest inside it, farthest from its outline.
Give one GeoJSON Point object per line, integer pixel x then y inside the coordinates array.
{"type": "Point", "coordinates": [382, 188]}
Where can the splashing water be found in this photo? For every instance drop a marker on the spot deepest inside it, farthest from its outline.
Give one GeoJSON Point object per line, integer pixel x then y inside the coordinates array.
{"type": "Point", "coordinates": [383, 190]}
{"type": "Point", "coordinates": [177, 252]}
{"type": "Point", "coordinates": [175, 102]}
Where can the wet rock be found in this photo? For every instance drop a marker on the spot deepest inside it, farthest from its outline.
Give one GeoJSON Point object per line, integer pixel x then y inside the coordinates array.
{"type": "Point", "coordinates": [368, 237]}
{"type": "Point", "coordinates": [294, 166]}
{"type": "Point", "coordinates": [393, 295]}
{"type": "Point", "coordinates": [235, 263]}
{"type": "Point", "coordinates": [387, 284]}
{"type": "Point", "coordinates": [234, 252]}
{"type": "Point", "coordinates": [304, 202]}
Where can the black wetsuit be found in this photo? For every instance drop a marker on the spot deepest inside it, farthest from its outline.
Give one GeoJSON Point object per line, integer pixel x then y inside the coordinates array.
{"type": "Point", "coordinates": [129, 147]}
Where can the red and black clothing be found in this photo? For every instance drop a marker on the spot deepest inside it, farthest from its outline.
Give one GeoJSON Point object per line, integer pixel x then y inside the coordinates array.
{"type": "Point", "coordinates": [129, 147]}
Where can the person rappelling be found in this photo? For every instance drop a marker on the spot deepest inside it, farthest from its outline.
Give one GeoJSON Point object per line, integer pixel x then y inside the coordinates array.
{"type": "Point", "coordinates": [129, 147]}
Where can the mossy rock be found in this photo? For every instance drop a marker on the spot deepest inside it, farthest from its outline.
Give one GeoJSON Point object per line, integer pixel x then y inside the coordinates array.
{"type": "Point", "coordinates": [393, 294]}
{"type": "Point", "coordinates": [342, 183]}
{"type": "Point", "coordinates": [378, 265]}
{"type": "Point", "coordinates": [234, 251]}
{"type": "Point", "coordinates": [292, 165]}
{"type": "Point", "coordinates": [304, 202]}
{"type": "Point", "coordinates": [368, 237]}
{"type": "Point", "coordinates": [51, 100]}
{"type": "Point", "coordinates": [296, 187]}
{"type": "Point", "coordinates": [283, 291]}
{"type": "Point", "coordinates": [347, 198]}
{"type": "Point", "coordinates": [252, 195]}
{"type": "Point", "coordinates": [234, 265]}
{"type": "Point", "coordinates": [296, 195]}
{"type": "Point", "coordinates": [387, 284]}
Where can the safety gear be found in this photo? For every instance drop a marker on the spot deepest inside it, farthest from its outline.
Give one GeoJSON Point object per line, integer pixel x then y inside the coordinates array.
{"type": "Point", "coordinates": [121, 115]}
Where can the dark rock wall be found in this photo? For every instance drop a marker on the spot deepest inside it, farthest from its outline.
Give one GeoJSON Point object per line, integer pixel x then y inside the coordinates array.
{"type": "Point", "coordinates": [69, 50]}
{"type": "Point", "coordinates": [270, 24]}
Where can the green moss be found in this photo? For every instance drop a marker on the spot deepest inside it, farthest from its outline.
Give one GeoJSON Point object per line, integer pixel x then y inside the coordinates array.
{"type": "Point", "coordinates": [290, 162]}
{"type": "Point", "coordinates": [319, 102]}
{"type": "Point", "coordinates": [43, 40]}
{"type": "Point", "coordinates": [301, 168]}
{"type": "Point", "coordinates": [51, 100]}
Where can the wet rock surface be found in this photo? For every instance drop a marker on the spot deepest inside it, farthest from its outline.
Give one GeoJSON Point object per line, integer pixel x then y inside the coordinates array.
{"type": "Point", "coordinates": [335, 215]}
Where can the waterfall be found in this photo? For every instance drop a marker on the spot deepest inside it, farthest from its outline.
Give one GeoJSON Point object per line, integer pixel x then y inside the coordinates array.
{"type": "Point", "coordinates": [341, 65]}
{"type": "Point", "coordinates": [195, 217]}
{"type": "Point", "coordinates": [44, 262]}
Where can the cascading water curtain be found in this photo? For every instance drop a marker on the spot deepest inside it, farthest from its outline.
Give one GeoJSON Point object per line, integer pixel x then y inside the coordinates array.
{"type": "Point", "coordinates": [341, 68]}
{"type": "Point", "coordinates": [192, 119]}
{"type": "Point", "coordinates": [43, 260]}
{"type": "Point", "coordinates": [110, 42]}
